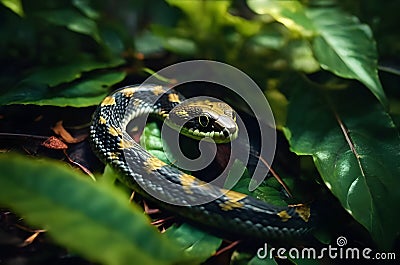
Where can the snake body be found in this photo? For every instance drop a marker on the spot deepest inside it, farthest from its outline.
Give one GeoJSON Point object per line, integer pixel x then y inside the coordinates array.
{"type": "Point", "coordinates": [230, 213]}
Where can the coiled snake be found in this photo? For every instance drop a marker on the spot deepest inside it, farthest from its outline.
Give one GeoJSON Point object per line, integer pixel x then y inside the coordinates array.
{"type": "Point", "coordinates": [230, 213]}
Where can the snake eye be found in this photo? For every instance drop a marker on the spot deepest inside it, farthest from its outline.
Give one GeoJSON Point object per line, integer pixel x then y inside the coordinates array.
{"type": "Point", "coordinates": [204, 120]}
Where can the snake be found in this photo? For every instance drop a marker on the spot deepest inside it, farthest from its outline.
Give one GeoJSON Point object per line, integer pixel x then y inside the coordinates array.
{"type": "Point", "coordinates": [230, 213]}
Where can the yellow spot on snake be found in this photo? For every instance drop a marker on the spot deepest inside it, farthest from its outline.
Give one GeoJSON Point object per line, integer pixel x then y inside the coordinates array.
{"type": "Point", "coordinates": [108, 101]}
{"type": "Point", "coordinates": [153, 164]}
{"type": "Point", "coordinates": [173, 98]}
{"type": "Point", "coordinates": [129, 91]}
{"type": "Point", "coordinates": [157, 90]}
{"type": "Point", "coordinates": [114, 131]}
{"type": "Point", "coordinates": [137, 102]}
{"type": "Point", "coordinates": [164, 114]}
{"type": "Point", "coordinates": [303, 211]}
{"type": "Point", "coordinates": [182, 113]}
{"type": "Point", "coordinates": [187, 181]}
{"type": "Point", "coordinates": [233, 200]}
{"type": "Point", "coordinates": [102, 120]}
{"type": "Point", "coordinates": [284, 215]}
{"type": "Point", "coordinates": [126, 144]}
{"type": "Point", "coordinates": [113, 156]}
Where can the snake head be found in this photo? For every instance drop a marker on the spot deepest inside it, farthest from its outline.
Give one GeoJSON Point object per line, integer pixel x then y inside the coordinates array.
{"type": "Point", "coordinates": [210, 120]}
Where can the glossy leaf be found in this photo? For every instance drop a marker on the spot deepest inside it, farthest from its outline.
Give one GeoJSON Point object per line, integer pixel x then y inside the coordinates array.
{"type": "Point", "coordinates": [197, 244]}
{"type": "Point", "coordinates": [340, 42]}
{"type": "Point", "coordinates": [355, 146]}
{"type": "Point", "coordinates": [91, 219]}
{"type": "Point", "coordinates": [86, 92]}
{"type": "Point", "coordinates": [346, 47]}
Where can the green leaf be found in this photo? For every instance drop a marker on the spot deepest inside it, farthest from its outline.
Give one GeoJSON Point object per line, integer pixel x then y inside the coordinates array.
{"type": "Point", "coordinates": [203, 15]}
{"type": "Point", "coordinates": [278, 103]}
{"type": "Point", "coordinates": [196, 243]}
{"type": "Point", "coordinates": [147, 43]}
{"type": "Point", "coordinates": [346, 47]}
{"type": "Point", "coordinates": [109, 175]}
{"type": "Point", "coordinates": [73, 20]}
{"type": "Point", "coordinates": [355, 147]}
{"type": "Point", "coordinates": [207, 26]}
{"type": "Point", "coordinates": [289, 13]}
{"type": "Point", "coordinates": [84, 6]}
{"type": "Point", "coordinates": [93, 220]}
{"type": "Point", "coordinates": [86, 92]}
{"type": "Point", "coordinates": [301, 57]}
{"type": "Point", "coordinates": [269, 191]}
{"type": "Point", "coordinates": [54, 76]}
{"type": "Point", "coordinates": [14, 5]}
{"type": "Point", "coordinates": [265, 261]}
{"type": "Point", "coordinates": [341, 43]}
{"type": "Point", "coordinates": [152, 142]}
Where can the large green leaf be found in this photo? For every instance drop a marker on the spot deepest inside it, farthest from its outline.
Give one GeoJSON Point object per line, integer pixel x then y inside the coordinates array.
{"type": "Point", "coordinates": [346, 47]}
{"type": "Point", "coordinates": [341, 43]}
{"type": "Point", "coordinates": [355, 147]}
{"type": "Point", "coordinates": [85, 92]}
{"type": "Point", "coordinates": [56, 75]}
{"type": "Point", "coordinates": [91, 219]}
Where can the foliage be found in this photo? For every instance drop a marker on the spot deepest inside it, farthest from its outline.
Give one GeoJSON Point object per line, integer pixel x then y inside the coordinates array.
{"type": "Point", "coordinates": [96, 214]}
{"type": "Point", "coordinates": [354, 149]}
{"type": "Point", "coordinates": [316, 61]}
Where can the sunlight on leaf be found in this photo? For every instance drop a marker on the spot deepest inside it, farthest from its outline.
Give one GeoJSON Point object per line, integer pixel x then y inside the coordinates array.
{"type": "Point", "coordinates": [340, 42]}
{"type": "Point", "coordinates": [356, 150]}
{"type": "Point", "coordinates": [346, 47]}
{"type": "Point", "coordinates": [301, 57]}
{"type": "Point", "coordinates": [14, 5]}
{"type": "Point", "coordinates": [289, 13]}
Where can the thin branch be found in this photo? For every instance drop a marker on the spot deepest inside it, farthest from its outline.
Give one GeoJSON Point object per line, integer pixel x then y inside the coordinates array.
{"type": "Point", "coordinates": [349, 141]}
{"type": "Point", "coordinates": [276, 176]}
{"type": "Point", "coordinates": [20, 135]}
